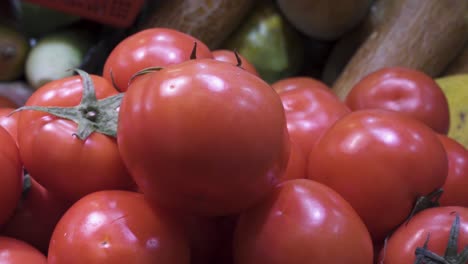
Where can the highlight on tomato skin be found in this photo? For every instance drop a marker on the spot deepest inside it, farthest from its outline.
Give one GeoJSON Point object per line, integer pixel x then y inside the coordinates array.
{"type": "Point", "coordinates": [405, 90]}
{"type": "Point", "coordinates": [154, 47]}
{"type": "Point", "coordinates": [203, 136]}
{"type": "Point", "coordinates": [14, 251]}
{"type": "Point", "coordinates": [118, 227]}
{"type": "Point", "coordinates": [310, 107]}
{"type": "Point", "coordinates": [378, 159]}
{"type": "Point", "coordinates": [456, 184]}
{"type": "Point", "coordinates": [302, 221]}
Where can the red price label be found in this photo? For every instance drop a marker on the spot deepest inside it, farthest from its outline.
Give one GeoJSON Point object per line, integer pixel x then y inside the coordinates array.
{"type": "Point", "coordinates": [118, 13]}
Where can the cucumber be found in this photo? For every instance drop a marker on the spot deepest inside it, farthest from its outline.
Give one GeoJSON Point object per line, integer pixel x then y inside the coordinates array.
{"type": "Point", "coordinates": [55, 56]}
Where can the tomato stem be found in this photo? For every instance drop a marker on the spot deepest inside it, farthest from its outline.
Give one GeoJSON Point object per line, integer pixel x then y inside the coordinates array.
{"type": "Point", "coordinates": [425, 202]}
{"type": "Point", "coordinates": [193, 54]}
{"type": "Point", "coordinates": [91, 115]}
{"type": "Point", "coordinates": [425, 256]}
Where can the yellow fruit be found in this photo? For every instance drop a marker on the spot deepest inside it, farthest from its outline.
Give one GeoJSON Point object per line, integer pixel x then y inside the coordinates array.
{"type": "Point", "coordinates": [455, 88]}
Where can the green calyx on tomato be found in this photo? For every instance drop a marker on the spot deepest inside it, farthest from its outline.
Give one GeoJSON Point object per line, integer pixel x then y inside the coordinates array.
{"type": "Point", "coordinates": [425, 202]}
{"type": "Point", "coordinates": [423, 255]}
{"type": "Point", "coordinates": [91, 115]}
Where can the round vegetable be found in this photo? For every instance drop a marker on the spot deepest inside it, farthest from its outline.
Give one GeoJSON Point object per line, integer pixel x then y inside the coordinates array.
{"type": "Point", "coordinates": [311, 108]}
{"type": "Point", "coordinates": [72, 160]}
{"type": "Point", "coordinates": [404, 90]}
{"type": "Point", "coordinates": [436, 235]}
{"type": "Point", "coordinates": [230, 56]}
{"type": "Point", "coordinates": [9, 122]}
{"type": "Point", "coordinates": [13, 251]}
{"type": "Point", "coordinates": [302, 222]}
{"type": "Point", "coordinates": [204, 136]}
{"type": "Point", "coordinates": [117, 227]}
{"type": "Point", "coordinates": [381, 162]}
{"type": "Point", "coordinates": [155, 47]}
{"type": "Point", "coordinates": [11, 176]}
{"type": "Point", "coordinates": [456, 183]}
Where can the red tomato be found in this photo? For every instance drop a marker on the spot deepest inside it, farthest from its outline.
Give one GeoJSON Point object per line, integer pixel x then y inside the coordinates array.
{"type": "Point", "coordinates": [155, 47]}
{"type": "Point", "coordinates": [7, 102]}
{"type": "Point", "coordinates": [404, 90]}
{"type": "Point", "coordinates": [456, 185]}
{"type": "Point", "coordinates": [13, 251]}
{"type": "Point", "coordinates": [311, 108]}
{"type": "Point", "coordinates": [229, 56]}
{"type": "Point", "coordinates": [11, 176]}
{"type": "Point", "coordinates": [436, 222]}
{"type": "Point", "coordinates": [379, 160]}
{"type": "Point", "coordinates": [61, 162]}
{"type": "Point", "coordinates": [117, 227]}
{"type": "Point", "coordinates": [203, 136]}
{"type": "Point", "coordinates": [297, 168]}
{"type": "Point", "coordinates": [302, 222]}
{"type": "Point", "coordinates": [9, 122]}
{"type": "Point", "coordinates": [35, 217]}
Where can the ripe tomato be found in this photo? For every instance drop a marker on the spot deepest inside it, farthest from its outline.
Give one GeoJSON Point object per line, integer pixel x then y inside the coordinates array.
{"type": "Point", "coordinates": [204, 136]}
{"type": "Point", "coordinates": [155, 47]}
{"type": "Point", "coordinates": [297, 168]}
{"type": "Point", "coordinates": [311, 108]}
{"type": "Point", "coordinates": [61, 162]}
{"type": "Point", "coordinates": [35, 217]}
{"type": "Point", "coordinates": [404, 90]}
{"type": "Point", "coordinates": [435, 222]}
{"type": "Point", "coordinates": [11, 176]}
{"type": "Point", "coordinates": [7, 102]}
{"type": "Point", "coordinates": [9, 122]}
{"type": "Point", "coordinates": [302, 222]}
{"type": "Point", "coordinates": [117, 227]}
{"type": "Point", "coordinates": [13, 251]}
{"type": "Point", "coordinates": [379, 160]}
{"type": "Point", "coordinates": [229, 56]}
{"type": "Point", "coordinates": [456, 184]}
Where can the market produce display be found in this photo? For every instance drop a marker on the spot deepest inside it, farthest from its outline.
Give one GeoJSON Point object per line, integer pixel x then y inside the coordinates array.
{"type": "Point", "coordinates": [234, 132]}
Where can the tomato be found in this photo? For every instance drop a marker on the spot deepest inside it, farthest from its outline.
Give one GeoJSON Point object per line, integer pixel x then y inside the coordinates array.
{"type": "Point", "coordinates": [9, 122]}
{"type": "Point", "coordinates": [7, 102]}
{"type": "Point", "coordinates": [117, 227]}
{"type": "Point", "coordinates": [11, 176]}
{"type": "Point", "coordinates": [297, 168]}
{"type": "Point", "coordinates": [60, 161]}
{"type": "Point", "coordinates": [35, 217]}
{"type": "Point", "coordinates": [155, 47]}
{"type": "Point", "coordinates": [435, 223]}
{"type": "Point", "coordinates": [203, 136]}
{"type": "Point", "coordinates": [302, 222]}
{"type": "Point", "coordinates": [380, 161]}
{"type": "Point", "coordinates": [404, 90]}
{"type": "Point", "coordinates": [229, 56]}
{"type": "Point", "coordinates": [13, 251]}
{"type": "Point", "coordinates": [311, 108]}
{"type": "Point", "coordinates": [456, 183]}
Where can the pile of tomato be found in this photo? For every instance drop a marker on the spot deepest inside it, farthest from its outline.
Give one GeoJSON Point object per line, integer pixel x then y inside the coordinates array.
{"type": "Point", "coordinates": [178, 154]}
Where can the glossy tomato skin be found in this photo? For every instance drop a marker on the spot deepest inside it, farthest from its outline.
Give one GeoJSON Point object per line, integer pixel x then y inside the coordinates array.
{"type": "Point", "coordinates": [311, 108]}
{"type": "Point", "coordinates": [204, 136]}
{"type": "Point", "coordinates": [229, 56]}
{"type": "Point", "coordinates": [13, 251]}
{"type": "Point", "coordinates": [35, 217]}
{"type": "Point", "coordinates": [302, 222]}
{"type": "Point", "coordinates": [155, 47]}
{"type": "Point", "coordinates": [437, 221]}
{"type": "Point", "coordinates": [117, 227]}
{"type": "Point", "coordinates": [404, 90]}
{"type": "Point", "coordinates": [456, 183]}
{"type": "Point", "coordinates": [11, 176]}
{"type": "Point", "coordinates": [61, 162]}
{"type": "Point", "coordinates": [379, 160]}
{"type": "Point", "coordinates": [297, 168]}
{"type": "Point", "coordinates": [9, 122]}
